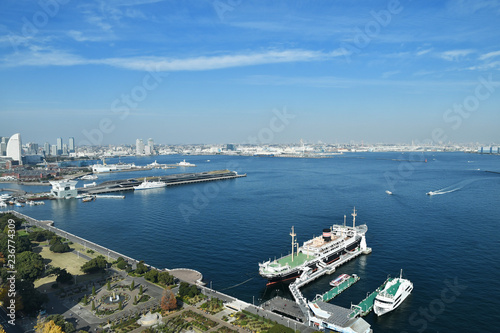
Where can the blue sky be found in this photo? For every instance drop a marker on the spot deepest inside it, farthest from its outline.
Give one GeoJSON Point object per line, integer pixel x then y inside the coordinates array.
{"type": "Point", "coordinates": [219, 71]}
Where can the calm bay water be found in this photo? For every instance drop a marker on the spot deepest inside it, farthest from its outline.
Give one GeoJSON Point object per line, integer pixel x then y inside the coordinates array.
{"type": "Point", "coordinates": [223, 229]}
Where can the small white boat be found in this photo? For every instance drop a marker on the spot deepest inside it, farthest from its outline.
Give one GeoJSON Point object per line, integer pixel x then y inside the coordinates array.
{"type": "Point", "coordinates": [3, 204]}
{"type": "Point", "coordinates": [394, 293]}
{"type": "Point", "coordinates": [430, 193]}
{"type": "Point", "coordinates": [90, 185]}
{"type": "Point", "coordinates": [186, 164]}
{"type": "Point", "coordinates": [18, 204]}
{"type": "Point", "coordinates": [154, 165]}
{"type": "Point", "coordinates": [339, 280]}
{"type": "Point", "coordinates": [388, 192]}
{"type": "Point", "coordinates": [89, 177]}
{"type": "Point", "coordinates": [88, 198]}
{"type": "Point", "coordinates": [146, 185]}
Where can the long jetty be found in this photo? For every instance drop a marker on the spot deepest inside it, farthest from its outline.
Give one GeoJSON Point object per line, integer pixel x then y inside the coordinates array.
{"type": "Point", "coordinates": [170, 180]}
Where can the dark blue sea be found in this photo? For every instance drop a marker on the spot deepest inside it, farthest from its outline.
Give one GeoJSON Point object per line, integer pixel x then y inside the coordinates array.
{"type": "Point", "coordinates": [447, 244]}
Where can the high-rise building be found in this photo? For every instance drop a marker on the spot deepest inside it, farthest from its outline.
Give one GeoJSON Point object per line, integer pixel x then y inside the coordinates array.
{"type": "Point", "coordinates": [139, 147]}
{"type": "Point", "coordinates": [151, 145]}
{"type": "Point", "coordinates": [59, 146]}
{"type": "Point", "coordinates": [32, 148]}
{"type": "Point", "coordinates": [71, 146]}
{"type": "Point", "coordinates": [53, 150]}
{"type": "Point", "coordinates": [3, 146]}
{"type": "Point", "coordinates": [65, 149]}
{"type": "Point", "coordinates": [14, 148]}
{"type": "Point", "coordinates": [46, 148]}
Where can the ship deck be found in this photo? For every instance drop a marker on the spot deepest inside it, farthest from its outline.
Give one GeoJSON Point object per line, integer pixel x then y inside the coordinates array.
{"type": "Point", "coordinates": [298, 259]}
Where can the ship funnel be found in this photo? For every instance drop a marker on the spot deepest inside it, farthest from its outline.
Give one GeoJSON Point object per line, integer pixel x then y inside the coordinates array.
{"type": "Point", "coordinates": [327, 235]}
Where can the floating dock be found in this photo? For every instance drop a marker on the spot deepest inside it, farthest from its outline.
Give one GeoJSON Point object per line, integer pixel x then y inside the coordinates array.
{"type": "Point", "coordinates": [335, 291]}
{"type": "Point", "coordinates": [365, 306]}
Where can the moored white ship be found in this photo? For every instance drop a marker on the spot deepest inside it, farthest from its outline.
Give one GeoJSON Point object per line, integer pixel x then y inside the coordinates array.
{"type": "Point", "coordinates": [317, 252]}
{"type": "Point", "coordinates": [147, 185]}
{"type": "Point", "coordinates": [186, 164]}
{"type": "Point", "coordinates": [394, 293]}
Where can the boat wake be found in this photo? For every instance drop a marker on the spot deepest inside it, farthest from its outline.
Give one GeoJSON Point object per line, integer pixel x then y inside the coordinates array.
{"type": "Point", "coordinates": [452, 188]}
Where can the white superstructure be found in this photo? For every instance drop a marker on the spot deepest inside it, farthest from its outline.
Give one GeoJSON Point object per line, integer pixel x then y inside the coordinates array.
{"type": "Point", "coordinates": [186, 164]}
{"type": "Point", "coordinates": [64, 189]}
{"type": "Point", "coordinates": [393, 294]}
{"type": "Point", "coordinates": [145, 185]}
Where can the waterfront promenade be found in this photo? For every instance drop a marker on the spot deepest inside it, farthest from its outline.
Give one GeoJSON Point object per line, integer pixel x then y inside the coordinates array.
{"type": "Point", "coordinates": [72, 310]}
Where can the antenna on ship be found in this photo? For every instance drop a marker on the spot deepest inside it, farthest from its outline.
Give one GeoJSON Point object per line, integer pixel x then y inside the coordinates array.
{"type": "Point", "coordinates": [293, 234]}
{"type": "Point", "coordinates": [344, 220]}
{"type": "Point", "coordinates": [354, 218]}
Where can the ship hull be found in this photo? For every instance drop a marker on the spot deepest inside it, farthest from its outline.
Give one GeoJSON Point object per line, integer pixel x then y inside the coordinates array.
{"type": "Point", "coordinates": [288, 277]}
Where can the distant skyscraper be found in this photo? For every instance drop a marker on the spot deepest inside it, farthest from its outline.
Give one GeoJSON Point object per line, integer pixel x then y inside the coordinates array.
{"type": "Point", "coordinates": [65, 149]}
{"type": "Point", "coordinates": [59, 146]}
{"type": "Point", "coordinates": [53, 150]}
{"type": "Point", "coordinates": [3, 146]}
{"type": "Point", "coordinates": [46, 148]}
{"type": "Point", "coordinates": [14, 148]}
{"type": "Point", "coordinates": [151, 145]}
{"type": "Point", "coordinates": [139, 147]}
{"type": "Point", "coordinates": [32, 148]}
{"type": "Point", "coordinates": [71, 146]}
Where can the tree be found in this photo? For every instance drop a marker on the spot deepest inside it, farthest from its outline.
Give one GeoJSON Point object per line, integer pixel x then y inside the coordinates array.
{"type": "Point", "coordinates": [108, 285]}
{"type": "Point", "coordinates": [93, 290]}
{"type": "Point", "coordinates": [59, 320]}
{"type": "Point", "coordinates": [48, 327]}
{"type": "Point", "coordinates": [93, 305]}
{"type": "Point", "coordinates": [168, 300]}
{"type": "Point", "coordinates": [135, 300]}
{"type": "Point", "coordinates": [64, 276]}
{"type": "Point", "coordinates": [29, 266]}
{"type": "Point", "coordinates": [120, 305]}
{"type": "Point", "coordinates": [141, 268]}
{"type": "Point", "coordinates": [151, 275]}
{"type": "Point", "coordinates": [94, 265]}
{"type": "Point", "coordinates": [140, 290]}
{"type": "Point", "coordinates": [132, 285]}
{"type": "Point", "coordinates": [60, 247]}
{"type": "Point", "coordinates": [165, 278]}
{"type": "Point", "coordinates": [31, 300]}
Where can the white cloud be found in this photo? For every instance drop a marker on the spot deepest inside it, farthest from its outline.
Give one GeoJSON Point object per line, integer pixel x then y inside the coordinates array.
{"type": "Point", "coordinates": [422, 52]}
{"type": "Point", "coordinates": [79, 37]}
{"type": "Point", "coordinates": [489, 55]}
{"type": "Point", "coordinates": [386, 75]}
{"type": "Point", "coordinates": [455, 55]}
{"type": "Point", "coordinates": [48, 57]}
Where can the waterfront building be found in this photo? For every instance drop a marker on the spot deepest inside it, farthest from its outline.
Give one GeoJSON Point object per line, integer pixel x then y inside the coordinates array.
{"type": "Point", "coordinates": [14, 148]}
{"type": "Point", "coordinates": [64, 189]}
{"type": "Point", "coordinates": [139, 147]}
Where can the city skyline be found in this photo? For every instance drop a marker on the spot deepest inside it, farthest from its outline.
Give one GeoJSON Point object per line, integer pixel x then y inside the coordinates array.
{"type": "Point", "coordinates": [244, 72]}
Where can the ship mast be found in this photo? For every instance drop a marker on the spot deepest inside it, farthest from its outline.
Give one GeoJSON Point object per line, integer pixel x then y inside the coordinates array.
{"type": "Point", "coordinates": [293, 234]}
{"type": "Point", "coordinates": [354, 218]}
